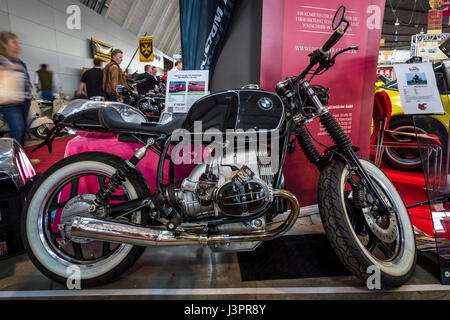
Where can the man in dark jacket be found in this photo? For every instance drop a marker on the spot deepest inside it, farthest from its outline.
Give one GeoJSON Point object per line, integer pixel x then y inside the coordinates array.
{"type": "Point", "coordinates": [92, 81]}
{"type": "Point", "coordinates": [152, 80]}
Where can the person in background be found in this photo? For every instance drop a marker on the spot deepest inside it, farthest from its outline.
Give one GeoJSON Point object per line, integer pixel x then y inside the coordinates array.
{"type": "Point", "coordinates": [155, 74]}
{"type": "Point", "coordinates": [113, 76]}
{"type": "Point", "coordinates": [178, 66]}
{"type": "Point", "coordinates": [16, 115]}
{"type": "Point", "coordinates": [45, 82]}
{"type": "Point", "coordinates": [152, 80]}
{"type": "Point", "coordinates": [92, 81]}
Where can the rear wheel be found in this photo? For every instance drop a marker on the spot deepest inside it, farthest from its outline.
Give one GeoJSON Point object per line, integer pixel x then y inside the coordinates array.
{"type": "Point", "coordinates": [64, 191]}
{"type": "Point", "coordinates": [360, 235]}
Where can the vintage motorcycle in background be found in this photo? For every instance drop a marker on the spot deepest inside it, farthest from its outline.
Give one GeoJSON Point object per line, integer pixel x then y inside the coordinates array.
{"type": "Point", "coordinates": [152, 103]}
{"type": "Point", "coordinates": [96, 210]}
{"type": "Point", "coordinates": [37, 123]}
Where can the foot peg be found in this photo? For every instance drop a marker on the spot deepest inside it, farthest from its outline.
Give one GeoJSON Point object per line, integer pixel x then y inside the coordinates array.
{"type": "Point", "coordinates": [174, 222]}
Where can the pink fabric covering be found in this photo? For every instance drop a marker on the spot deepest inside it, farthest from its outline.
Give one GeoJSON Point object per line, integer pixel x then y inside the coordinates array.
{"type": "Point", "coordinates": [95, 135]}
{"type": "Point", "coordinates": [148, 166]}
{"type": "Point", "coordinates": [85, 142]}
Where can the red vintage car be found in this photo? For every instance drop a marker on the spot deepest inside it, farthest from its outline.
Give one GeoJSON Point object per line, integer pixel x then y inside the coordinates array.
{"type": "Point", "coordinates": [177, 88]}
{"type": "Point", "coordinates": [196, 86]}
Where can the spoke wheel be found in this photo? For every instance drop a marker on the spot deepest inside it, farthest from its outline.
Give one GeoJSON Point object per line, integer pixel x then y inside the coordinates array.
{"type": "Point", "coordinates": [62, 193]}
{"type": "Point", "coordinates": [358, 232]}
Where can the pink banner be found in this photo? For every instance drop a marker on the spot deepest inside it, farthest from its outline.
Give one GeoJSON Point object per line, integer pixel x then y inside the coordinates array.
{"type": "Point", "coordinates": [294, 28]}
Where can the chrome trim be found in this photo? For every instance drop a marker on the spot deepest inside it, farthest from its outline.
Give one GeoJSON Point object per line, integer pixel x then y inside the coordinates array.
{"type": "Point", "coordinates": [128, 113]}
{"type": "Point", "coordinates": [251, 86]}
{"type": "Point", "coordinates": [14, 163]}
{"type": "Point", "coordinates": [119, 232]}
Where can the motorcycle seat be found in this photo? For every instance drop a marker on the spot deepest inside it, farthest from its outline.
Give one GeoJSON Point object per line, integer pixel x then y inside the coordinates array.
{"type": "Point", "coordinates": [111, 119]}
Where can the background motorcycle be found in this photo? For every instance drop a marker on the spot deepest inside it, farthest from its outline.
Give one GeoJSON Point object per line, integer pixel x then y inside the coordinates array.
{"type": "Point", "coordinates": [37, 124]}
{"type": "Point", "coordinates": [226, 204]}
{"type": "Point", "coordinates": [151, 104]}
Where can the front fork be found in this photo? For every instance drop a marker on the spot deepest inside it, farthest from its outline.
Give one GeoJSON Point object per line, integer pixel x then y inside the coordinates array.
{"type": "Point", "coordinates": [343, 144]}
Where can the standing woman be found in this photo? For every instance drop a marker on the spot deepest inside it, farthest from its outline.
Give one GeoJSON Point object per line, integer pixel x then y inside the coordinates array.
{"type": "Point", "coordinates": [16, 114]}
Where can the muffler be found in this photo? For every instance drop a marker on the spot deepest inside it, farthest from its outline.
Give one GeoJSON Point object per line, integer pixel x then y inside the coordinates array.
{"type": "Point", "coordinates": [122, 232]}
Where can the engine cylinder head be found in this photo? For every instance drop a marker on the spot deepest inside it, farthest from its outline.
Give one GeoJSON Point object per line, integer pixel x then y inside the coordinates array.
{"type": "Point", "coordinates": [251, 197]}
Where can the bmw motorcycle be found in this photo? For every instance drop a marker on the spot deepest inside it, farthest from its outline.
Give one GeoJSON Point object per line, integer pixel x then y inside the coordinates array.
{"type": "Point", "coordinates": [96, 211]}
{"type": "Point", "coordinates": [151, 104]}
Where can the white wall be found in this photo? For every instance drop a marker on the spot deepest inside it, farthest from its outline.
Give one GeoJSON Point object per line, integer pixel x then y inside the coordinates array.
{"type": "Point", "coordinates": [41, 27]}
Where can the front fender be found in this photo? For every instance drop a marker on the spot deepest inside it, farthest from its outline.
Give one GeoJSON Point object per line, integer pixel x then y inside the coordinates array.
{"type": "Point", "coordinates": [14, 164]}
{"type": "Point", "coordinates": [40, 121]}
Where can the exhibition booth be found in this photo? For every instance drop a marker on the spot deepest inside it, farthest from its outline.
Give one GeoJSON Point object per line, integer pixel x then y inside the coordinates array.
{"type": "Point", "coordinates": [288, 152]}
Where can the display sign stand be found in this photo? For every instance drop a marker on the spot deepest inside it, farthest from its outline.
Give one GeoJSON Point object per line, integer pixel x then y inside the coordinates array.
{"type": "Point", "coordinates": [436, 248]}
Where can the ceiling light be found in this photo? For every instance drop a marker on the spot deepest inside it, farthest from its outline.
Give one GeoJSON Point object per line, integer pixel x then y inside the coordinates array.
{"type": "Point", "coordinates": [421, 31]}
{"type": "Point", "coordinates": [396, 38]}
{"type": "Point", "coordinates": [397, 22]}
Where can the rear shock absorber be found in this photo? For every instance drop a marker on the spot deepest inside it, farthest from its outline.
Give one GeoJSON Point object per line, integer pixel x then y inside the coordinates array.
{"type": "Point", "coordinates": [119, 177]}
{"type": "Point", "coordinates": [335, 131]}
{"type": "Point", "coordinates": [114, 184]}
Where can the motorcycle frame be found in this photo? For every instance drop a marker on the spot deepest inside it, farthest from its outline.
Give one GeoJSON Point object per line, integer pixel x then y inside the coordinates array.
{"type": "Point", "coordinates": [162, 150]}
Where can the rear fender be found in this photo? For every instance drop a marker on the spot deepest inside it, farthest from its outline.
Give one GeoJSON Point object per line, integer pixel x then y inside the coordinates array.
{"type": "Point", "coordinates": [14, 164]}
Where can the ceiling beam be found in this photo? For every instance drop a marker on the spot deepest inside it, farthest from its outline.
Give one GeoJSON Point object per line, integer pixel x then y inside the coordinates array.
{"type": "Point", "coordinates": [109, 8]}
{"type": "Point", "coordinates": [147, 18]}
{"type": "Point", "coordinates": [169, 30]}
{"type": "Point", "coordinates": [160, 21]}
{"type": "Point", "coordinates": [130, 14]}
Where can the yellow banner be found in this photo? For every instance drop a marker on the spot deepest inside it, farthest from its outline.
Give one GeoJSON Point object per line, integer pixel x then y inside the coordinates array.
{"type": "Point", "coordinates": [101, 50]}
{"type": "Point", "coordinates": [146, 49]}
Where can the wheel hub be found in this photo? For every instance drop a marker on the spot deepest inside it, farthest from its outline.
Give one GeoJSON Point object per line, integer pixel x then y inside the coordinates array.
{"type": "Point", "coordinates": [384, 227]}
{"type": "Point", "coordinates": [77, 207]}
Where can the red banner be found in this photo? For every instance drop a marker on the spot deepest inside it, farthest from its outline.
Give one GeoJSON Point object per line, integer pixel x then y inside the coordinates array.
{"type": "Point", "coordinates": [435, 20]}
{"type": "Point", "coordinates": [294, 28]}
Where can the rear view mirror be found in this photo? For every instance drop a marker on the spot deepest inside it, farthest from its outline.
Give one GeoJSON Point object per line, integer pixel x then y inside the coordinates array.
{"type": "Point", "coordinates": [339, 17]}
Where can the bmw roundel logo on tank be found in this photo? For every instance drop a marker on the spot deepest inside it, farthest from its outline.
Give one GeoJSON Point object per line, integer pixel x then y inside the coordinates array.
{"type": "Point", "coordinates": [265, 103]}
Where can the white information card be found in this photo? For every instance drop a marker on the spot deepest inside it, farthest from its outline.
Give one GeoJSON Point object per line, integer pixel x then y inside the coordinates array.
{"type": "Point", "coordinates": [184, 88]}
{"type": "Point", "coordinates": [418, 89]}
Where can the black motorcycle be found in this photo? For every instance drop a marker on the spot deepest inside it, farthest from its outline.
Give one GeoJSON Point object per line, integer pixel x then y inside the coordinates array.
{"type": "Point", "coordinates": [96, 211]}
{"type": "Point", "coordinates": [151, 104]}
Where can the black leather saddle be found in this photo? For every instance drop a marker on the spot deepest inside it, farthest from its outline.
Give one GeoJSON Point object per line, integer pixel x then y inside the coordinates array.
{"type": "Point", "coordinates": [111, 119]}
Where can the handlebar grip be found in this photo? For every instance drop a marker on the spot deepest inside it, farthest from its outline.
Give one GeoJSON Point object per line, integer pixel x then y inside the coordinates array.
{"type": "Point", "coordinates": [335, 37]}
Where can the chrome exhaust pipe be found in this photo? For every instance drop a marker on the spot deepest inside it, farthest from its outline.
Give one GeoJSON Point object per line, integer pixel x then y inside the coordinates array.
{"type": "Point", "coordinates": [122, 232]}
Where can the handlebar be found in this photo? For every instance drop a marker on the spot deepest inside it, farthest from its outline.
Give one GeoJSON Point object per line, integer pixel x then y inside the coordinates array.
{"type": "Point", "coordinates": [335, 37]}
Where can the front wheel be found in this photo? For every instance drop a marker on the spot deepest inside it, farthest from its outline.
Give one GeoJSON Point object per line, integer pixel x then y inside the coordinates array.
{"type": "Point", "coordinates": [360, 235]}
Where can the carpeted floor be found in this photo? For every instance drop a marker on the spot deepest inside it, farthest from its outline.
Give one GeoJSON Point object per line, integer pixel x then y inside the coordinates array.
{"type": "Point", "coordinates": [411, 186]}
{"type": "Point", "coordinates": [47, 160]}
{"type": "Point", "coordinates": [291, 257]}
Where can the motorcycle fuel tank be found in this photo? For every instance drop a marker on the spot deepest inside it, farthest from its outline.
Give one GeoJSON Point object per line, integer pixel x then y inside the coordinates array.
{"type": "Point", "coordinates": [237, 109]}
